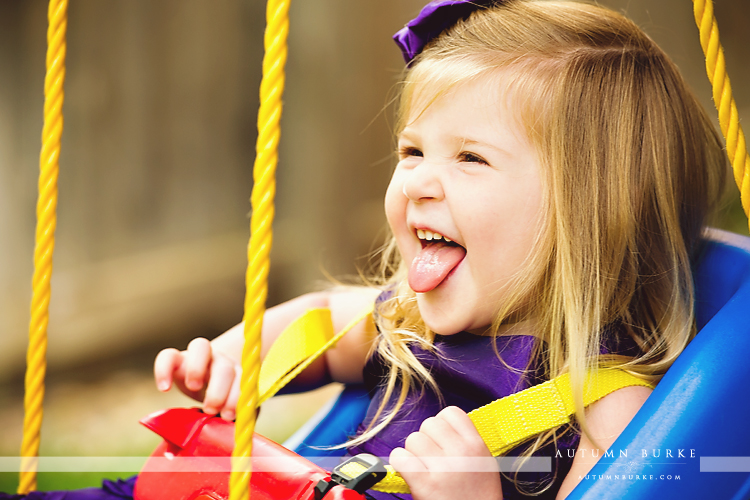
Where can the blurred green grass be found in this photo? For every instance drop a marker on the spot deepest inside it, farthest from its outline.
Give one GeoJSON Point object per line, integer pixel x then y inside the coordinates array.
{"type": "Point", "coordinates": [52, 481]}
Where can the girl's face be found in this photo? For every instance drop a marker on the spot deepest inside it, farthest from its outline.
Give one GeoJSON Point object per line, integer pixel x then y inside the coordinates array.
{"type": "Point", "coordinates": [468, 173]}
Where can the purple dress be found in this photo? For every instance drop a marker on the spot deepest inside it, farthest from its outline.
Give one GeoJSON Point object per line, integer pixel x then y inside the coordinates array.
{"type": "Point", "coordinates": [469, 375]}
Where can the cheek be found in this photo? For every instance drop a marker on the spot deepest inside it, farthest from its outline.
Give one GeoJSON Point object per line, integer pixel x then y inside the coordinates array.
{"type": "Point", "coordinates": [515, 216]}
{"type": "Point", "coordinates": [519, 209]}
{"type": "Point", "coordinates": [395, 205]}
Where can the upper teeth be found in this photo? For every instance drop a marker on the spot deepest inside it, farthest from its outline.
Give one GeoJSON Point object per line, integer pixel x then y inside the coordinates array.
{"type": "Point", "coordinates": [424, 234]}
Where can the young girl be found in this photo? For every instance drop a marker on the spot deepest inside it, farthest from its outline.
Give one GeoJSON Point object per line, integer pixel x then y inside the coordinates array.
{"type": "Point", "coordinates": [554, 178]}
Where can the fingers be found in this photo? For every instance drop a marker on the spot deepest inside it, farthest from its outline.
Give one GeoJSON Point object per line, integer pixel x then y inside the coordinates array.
{"type": "Point", "coordinates": [230, 406]}
{"type": "Point", "coordinates": [406, 463]}
{"type": "Point", "coordinates": [456, 424]}
{"type": "Point", "coordinates": [165, 364]}
{"type": "Point", "coordinates": [449, 435]}
{"type": "Point", "coordinates": [222, 381]}
{"type": "Point", "coordinates": [203, 374]}
{"type": "Point", "coordinates": [447, 459]}
{"type": "Point", "coordinates": [439, 433]}
{"type": "Point", "coordinates": [197, 364]}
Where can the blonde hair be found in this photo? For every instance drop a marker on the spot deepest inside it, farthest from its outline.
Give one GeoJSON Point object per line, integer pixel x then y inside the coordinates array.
{"type": "Point", "coordinates": [632, 166]}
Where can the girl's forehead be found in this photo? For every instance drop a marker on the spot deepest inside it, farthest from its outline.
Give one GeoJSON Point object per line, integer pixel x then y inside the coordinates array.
{"type": "Point", "coordinates": [491, 91]}
{"type": "Point", "coordinates": [476, 113]}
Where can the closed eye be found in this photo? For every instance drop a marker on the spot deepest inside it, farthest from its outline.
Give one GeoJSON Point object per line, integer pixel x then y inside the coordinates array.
{"type": "Point", "coordinates": [407, 151]}
{"type": "Point", "coordinates": [468, 157]}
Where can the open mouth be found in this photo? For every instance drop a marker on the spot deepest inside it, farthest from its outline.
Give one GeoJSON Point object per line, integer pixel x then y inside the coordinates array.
{"type": "Point", "coordinates": [426, 236]}
{"type": "Point", "coordinates": [437, 259]}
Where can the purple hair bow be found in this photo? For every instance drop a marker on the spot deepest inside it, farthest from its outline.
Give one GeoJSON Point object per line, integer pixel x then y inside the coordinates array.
{"type": "Point", "coordinates": [435, 17]}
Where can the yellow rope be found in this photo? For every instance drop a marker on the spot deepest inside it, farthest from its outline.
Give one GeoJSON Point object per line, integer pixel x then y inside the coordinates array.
{"type": "Point", "coordinates": [262, 202]}
{"type": "Point", "coordinates": [723, 99]}
{"type": "Point", "coordinates": [269, 114]}
{"type": "Point", "coordinates": [36, 364]}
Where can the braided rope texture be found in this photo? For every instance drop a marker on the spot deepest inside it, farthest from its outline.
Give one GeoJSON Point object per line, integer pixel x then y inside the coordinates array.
{"type": "Point", "coordinates": [259, 248]}
{"type": "Point", "coordinates": [722, 93]}
{"type": "Point", "coordinates": [36, 365]}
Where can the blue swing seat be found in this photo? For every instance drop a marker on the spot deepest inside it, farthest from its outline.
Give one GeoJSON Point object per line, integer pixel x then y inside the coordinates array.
{"type": "Point", "coordinates": [700, 411]}
{"type": "Point", "coordinates": [701, 404]}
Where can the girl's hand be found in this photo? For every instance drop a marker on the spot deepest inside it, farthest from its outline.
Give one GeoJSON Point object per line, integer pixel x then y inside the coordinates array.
{"type": "Point", "coordinates": [447, 459]}
{"type": "Point", "coordinates": [204, 374]}
{"type": "Point", "coordinates": [210, 371]}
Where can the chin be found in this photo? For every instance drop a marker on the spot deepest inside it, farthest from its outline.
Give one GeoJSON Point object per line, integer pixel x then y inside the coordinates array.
{"type": "Point", "coordinates": [440, 321]}
{"type": "Point", "coordinates": [444, 328]}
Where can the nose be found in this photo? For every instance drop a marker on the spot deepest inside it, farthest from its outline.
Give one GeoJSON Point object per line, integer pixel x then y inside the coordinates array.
{"type": "Point", "coordinates": [423, 183]}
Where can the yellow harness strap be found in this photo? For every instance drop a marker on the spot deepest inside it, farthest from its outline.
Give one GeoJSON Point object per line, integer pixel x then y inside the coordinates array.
{"type": "Point", "coordinates": [503, 424]}
{"type": "Point", "coordinates": [301, 343]}
{"type": "Point", "coordinates": [507, 422]}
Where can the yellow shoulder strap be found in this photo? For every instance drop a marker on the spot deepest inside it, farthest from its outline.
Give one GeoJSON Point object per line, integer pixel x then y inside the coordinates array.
{"type": "Point", "coordinates": [503, 424]}
{"type": "Point", "coordinates": [301, 343]}
{"type": "Point", "coordinates": [507, 422]}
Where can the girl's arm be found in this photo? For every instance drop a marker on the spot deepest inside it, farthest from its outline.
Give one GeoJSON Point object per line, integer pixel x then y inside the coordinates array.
{"type": "Point", "coordinates": [210, 371]}
{"type": "Point", "coordinates": [606, 418]}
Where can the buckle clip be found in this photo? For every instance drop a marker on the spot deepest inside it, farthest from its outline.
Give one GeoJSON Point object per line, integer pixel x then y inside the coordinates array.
{"type": "Point", "coordinates": [359, 473]}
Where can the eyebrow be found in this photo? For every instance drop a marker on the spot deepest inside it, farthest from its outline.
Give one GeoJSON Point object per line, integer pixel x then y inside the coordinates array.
{"type": "Point", "coordinates": [471, 142]}
{"type": "Point", "coordinates": [464, 141]}
{"type": "Point", "coordinates": [405, 134]}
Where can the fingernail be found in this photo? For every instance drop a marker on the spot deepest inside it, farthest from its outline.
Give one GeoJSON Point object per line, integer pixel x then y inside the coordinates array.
{"type": "Point", "coordinates": [227, 415]}
{"type": "Point", "coordinates": [163, 386]}
{"type": "Point", "coordinates": [210, 410]}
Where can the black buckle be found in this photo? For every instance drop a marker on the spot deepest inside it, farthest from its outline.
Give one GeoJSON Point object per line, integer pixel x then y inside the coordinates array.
{"type": "Point", "coordinates": [359, 473]}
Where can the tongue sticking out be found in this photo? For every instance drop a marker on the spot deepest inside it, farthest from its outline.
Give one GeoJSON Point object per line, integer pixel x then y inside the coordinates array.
{"type": "Point", "coordinates": [432, 265]}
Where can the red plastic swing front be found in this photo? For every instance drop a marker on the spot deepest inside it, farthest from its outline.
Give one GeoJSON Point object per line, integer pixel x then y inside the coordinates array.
{"type": "Point", "coordinates": [193, 463]}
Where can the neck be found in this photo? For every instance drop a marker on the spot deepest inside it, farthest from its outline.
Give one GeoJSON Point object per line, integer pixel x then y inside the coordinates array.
{"type": "Point", "coordinates": [525, 327]}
